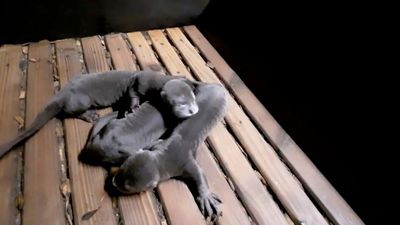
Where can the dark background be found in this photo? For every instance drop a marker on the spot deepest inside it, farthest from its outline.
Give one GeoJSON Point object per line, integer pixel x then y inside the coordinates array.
{"type": "Point", "coordinates": [308, 64]}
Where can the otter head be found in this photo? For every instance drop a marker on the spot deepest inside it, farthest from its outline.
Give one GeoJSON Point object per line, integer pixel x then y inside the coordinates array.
{"type": "Point", "coordinates": [178, 95]}
{"type": "Point", "coordinates": [138, 173]}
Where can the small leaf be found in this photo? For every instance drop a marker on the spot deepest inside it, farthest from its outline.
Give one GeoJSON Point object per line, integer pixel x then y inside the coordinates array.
{"type": "Point", "coordinates": [22, 95]}
{"type": "Point", "coordinates": [19, 202]}
{"type": "Point", "coordinates": [89, 214]}
{"type": "Point", "coordinates": [33, 60]}
{"type": "Point", "coordinates": [20, 121]}
{"type": "Point", "coordinates": [25, 50]}
{"type": "Point", "coordinates": [65, 189]}
{"type": "Point", "coordinates": [69, 219]}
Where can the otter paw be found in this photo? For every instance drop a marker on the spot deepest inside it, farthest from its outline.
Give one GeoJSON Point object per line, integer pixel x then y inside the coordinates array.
{"type": "Point", "coordinates": [89, 116]}
{"type": "Point", "coordinates": [209, 205]}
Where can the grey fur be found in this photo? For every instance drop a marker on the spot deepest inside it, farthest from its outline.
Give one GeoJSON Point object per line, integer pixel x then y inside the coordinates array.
{"type": "Point", "coordinates": [87, 92]}
{"type": "Point", "coordinates": [112, 141]}
{"type": "Point", "coordinates": [175, 156]}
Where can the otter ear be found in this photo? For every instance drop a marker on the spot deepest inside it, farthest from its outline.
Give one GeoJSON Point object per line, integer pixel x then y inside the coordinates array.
{"type": "Point", "coordinates": [192, 83]}
{"type": "Point", "coordinates": [163, 94]}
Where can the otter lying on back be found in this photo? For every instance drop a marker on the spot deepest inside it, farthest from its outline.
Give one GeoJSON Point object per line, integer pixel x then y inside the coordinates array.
{"type": "Point", "coordinates": [112, 141]}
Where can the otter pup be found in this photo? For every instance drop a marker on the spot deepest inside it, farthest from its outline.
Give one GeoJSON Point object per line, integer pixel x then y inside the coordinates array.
{"type": "Point", "coordinates": [85, 93]}
{"type": "Point", "coordinates": [111, 140]}
{"type": "Point", "coordinates": [175, 156]}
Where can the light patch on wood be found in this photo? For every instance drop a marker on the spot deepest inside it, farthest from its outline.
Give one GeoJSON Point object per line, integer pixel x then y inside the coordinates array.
{"type": "Point", "coordinates": [20, 121]}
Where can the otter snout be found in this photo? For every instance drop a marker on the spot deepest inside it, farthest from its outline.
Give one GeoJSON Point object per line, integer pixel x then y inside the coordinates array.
{"type": "Point", "coordinates": [185, 111]}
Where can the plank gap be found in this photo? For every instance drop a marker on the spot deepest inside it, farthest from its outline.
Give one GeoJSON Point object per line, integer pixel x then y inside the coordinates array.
{"type": "Point", "coordinates": [65, 186]}
{"type": "Point", "coordinates": [130, 48]}
{"type": "Point", "coordinates": [20, 151]}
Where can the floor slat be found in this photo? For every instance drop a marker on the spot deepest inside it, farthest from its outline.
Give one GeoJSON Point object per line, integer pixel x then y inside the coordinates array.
{"type": "Point", "coordinates": [121, 57]}
{"type": "Point", "coordinates": [10, 79]}
{"type": "Point", "coordinates": [87, 181]}
{"type": "Point", "coordinates": [43, 203]}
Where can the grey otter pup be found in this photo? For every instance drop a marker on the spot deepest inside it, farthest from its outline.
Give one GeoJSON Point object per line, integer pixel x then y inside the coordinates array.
{"type": "Point", "coordinates": [175, 156]}
{"type": "Point", "coordinates": [112, 140]}
{"type": "Point", "coordinates": [85, 93]}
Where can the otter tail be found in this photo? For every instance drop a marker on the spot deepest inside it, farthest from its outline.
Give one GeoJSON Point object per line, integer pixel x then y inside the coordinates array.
{"type": "Point", "coordinates": [50, 111]}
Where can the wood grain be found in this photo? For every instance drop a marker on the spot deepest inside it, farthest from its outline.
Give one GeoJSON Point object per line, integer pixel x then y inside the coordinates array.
{"type": "Point", "coordinates": [167, 54]}
{"type": "Point", "coordinates": [232, 210]}
{"type": "Point", "coordinates": [143, 51]}
{"type": "Point", "coordinates": [94, 55]}
{"type": "Point", "coordinates": [121, 56]}
{"type": "Point", "coordinates": [10, 78]}
{"type": "Point", "coordinates": [43, 203]}
{"type": "Point", "coordinates": [87, 181]}
{"type": "Point", "coordinates": [325, 194]}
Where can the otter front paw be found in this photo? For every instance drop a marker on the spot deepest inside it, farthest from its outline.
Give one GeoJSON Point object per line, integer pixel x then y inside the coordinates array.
{"type": "Point", "coordinates": [209, 205]}
{"type": "Point", "coordinates": [89, 116]}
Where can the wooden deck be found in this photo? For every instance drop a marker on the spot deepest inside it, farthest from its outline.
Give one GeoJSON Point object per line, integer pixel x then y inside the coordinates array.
{"type": "Point", "coordinates": [261, 175]}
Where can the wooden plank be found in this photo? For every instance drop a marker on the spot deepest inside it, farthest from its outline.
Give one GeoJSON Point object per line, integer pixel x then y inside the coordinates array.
{"type": "Point", "coordinates": [179, 204]}
{"type": "Point", "coordinates": [43, 203]}
{"type": "Point", "coordinates": [121, 56]}
{"type": "Point", "coordinates": [167, 54]}
{"type": "Point", "coordinates": [87, 181]}
{"type": "Point", "coordinates": [284, 185]}
{"type": "Point", "coordinates": [256, 201]}
{"type": "Point", "coordinates": [232, 210]}
{"type": "Point", "coordinates": [140, 208]}
{"type": "Point", "coordinates": [10, 79]}
{"type": "Point", "coordinates": [94, 55]}
{"type": "Point", "coordinates": [137, 209]}
{"type": "Point", "coordinates": [143, 51]}
{"type": "Point", "coordinates": [334, 205]}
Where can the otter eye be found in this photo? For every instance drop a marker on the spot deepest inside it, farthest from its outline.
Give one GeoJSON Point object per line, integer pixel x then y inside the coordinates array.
{"type": "Point", "coordinates": [180, 103]}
